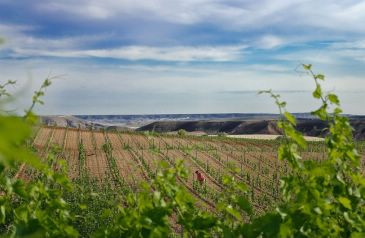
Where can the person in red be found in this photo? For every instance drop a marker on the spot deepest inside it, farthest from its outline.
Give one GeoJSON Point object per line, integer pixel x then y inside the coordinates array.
{"type": "Point", "coordinates": [200, 177]}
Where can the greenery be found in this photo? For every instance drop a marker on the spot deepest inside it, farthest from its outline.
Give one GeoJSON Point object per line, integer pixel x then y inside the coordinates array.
{"type": "Point", "coordinates": [34, 207]}
{"type": "Point", "coordinates": [181, 132]}
{"type": "Point", "coordinates": [319, 199]}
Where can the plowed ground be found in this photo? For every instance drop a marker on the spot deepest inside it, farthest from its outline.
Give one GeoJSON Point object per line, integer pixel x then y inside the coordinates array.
{"type": "Point", "coordinates": [135, 157]}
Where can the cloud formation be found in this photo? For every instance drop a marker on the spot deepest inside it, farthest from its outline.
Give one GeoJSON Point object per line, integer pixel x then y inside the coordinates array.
{"type": "Point", "coordinates": [134, 53]}
{"type": "Point", "coordinates": [184, 46]}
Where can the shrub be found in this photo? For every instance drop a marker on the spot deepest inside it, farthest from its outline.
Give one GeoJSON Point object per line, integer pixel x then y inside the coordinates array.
{"type": "Point", "coordinates": [181, 132]}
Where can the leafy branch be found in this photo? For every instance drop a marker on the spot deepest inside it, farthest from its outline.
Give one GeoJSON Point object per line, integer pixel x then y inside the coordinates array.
{"type": "Point", "coordinates": [3, 91]}
{"type": "Point", "coordinates": [36, 99]}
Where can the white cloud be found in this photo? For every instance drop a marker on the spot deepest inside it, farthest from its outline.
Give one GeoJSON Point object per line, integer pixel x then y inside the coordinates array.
{"type": "Point", "coordinates": [18, 36]}
{"type": "Point", "coordinates": [312, 56]}
{"type": "Point", "coordinates": [87, 9]}
{"type": "Point", "coordinates": [337, 16]}
{"type": "Point", "coordinates": [356, 44]}
{"type": "Point", "coordinates": [345, 54]}
{"type": "Point", "coordinates": [11, 29]}
{"type": "Point", "coordinates": [266, 24]}
{"type": "Point", "coordinates": [179, 53]}
{"type": "Point", "coordinates": [272, 68]}
{"type": "Point", "coordinates": [92, 88]}
{"type": "Point", "coordinates": [270, 41]}
{"type": "Point", "coordinates": [183, 12]}
{"type": "Point", "coordinates": [25, 45]}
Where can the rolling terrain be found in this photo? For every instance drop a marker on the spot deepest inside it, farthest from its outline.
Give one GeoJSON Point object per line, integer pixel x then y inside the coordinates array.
{"type": "Point", "coordinates": [122, 160]}
{"type": "Point", "coordinates": [200, 124]}
{"type": "Point", "coordinates": [309, 127]}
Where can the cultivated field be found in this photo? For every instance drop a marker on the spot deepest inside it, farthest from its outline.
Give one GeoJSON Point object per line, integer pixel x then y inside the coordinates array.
{"type": "Point", "coordinates": [123, 160]}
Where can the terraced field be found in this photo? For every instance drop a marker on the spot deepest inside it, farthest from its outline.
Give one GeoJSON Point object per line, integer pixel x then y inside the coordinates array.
{"type": "Point", "coordinates": [124, 160]}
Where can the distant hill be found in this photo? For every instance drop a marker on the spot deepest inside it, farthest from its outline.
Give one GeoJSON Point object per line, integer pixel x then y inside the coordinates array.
{"type": "Point", "coordinates": [65, 121]}
{"type": "Point", "coordinates": [75, 122]}
{"type": "Point", "coordinates": [234, 123]}
{"type": "Point", "coordinates": [309, 127]}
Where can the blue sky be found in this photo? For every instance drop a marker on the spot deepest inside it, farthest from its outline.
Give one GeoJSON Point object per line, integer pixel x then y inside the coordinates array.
{"type": "Point", "coordinates": [201, 56]}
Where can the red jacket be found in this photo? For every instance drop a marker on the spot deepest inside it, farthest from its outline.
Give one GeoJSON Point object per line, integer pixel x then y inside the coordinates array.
{"type": "Point", "coordinates": [200, 176]}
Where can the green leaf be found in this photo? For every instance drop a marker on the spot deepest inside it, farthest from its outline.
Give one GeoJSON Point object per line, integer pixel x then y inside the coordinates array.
{"type": "Point", "coordinates": [19, 188]}
{"type": "Point", "coordinates": [2, 214]}
{"type": "Point", "coordinates": [282, 104]}
{"type": "Point", "coordinates": [339, 178]}
{"type": "Point", "coordinates": [318, 92]}
{"type": "Point", "coordinates": [345, 202]}
{"type": "Point", "coordinates": [321, 112]}
{"type": "Point", "coordinates": [298, 138]}
{"type": "Point", "coordinates": [265, 91]}
{"type": "Point", "coordinates": [71, 232]}
{"type": "Point", "coordinates": [320, 76]}
{"type": "Point", "coordinates": [286, 230]}
{"type": "Point", "coordinates": [204, 222]}
{"type": "Point", "coordinates": [318, 210]}
{"type": "Point", "coordinates": [106, 213]}
{"type": "Point", "coordinates": [333, 98]}
{"type": "Point", "coordinates": [347, 218]}
{"type": "Point", "coordinates": [290, 118]}
{"type": "Point", "coordinates": [229, 209]}
{"type": "Point", "coordinates": [244, 204]}
{"type": "Point", "coordinates": [357, 235]}
{"type": "Point", "coordinates": [307, 66]}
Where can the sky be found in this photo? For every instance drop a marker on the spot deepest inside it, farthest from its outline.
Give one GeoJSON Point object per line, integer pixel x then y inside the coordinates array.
{"type": "Point", "coordinates": [187, 56]}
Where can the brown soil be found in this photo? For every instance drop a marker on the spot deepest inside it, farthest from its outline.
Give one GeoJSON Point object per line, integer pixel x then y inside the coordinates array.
{"type": "Point", "coordinates": [258, 160]}
{"type": "Point", "coordinates": [72, 140]}
{"type": "Point", "coordinates": [58, 137]}
{"type": "Point", "coordinates": [42, 138]}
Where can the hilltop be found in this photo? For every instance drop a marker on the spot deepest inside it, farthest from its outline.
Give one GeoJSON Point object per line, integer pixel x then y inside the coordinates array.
{"type": "Point", "coordinates": [309, 127]}
{"type": "Point", "coordinates": [200, 124]}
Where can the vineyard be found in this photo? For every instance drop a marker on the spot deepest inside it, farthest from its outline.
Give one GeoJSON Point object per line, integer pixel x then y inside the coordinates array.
{"type": "Point", "coordinates": [120, 161]}
{"type": "Point", "coordinates": [67, 182]}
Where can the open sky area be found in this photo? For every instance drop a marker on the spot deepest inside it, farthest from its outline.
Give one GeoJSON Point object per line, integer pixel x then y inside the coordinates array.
{"type": "Point", "coordinates": [188, 56]}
